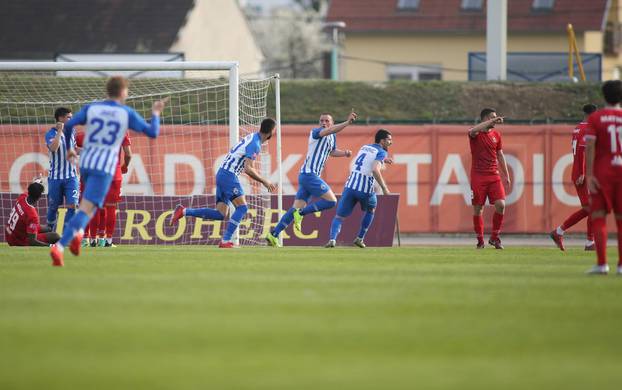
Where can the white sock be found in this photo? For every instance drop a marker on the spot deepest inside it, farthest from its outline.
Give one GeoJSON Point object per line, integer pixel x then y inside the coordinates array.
{"type": "Point", "coordinates": [109, 240]}
{"type": "Point", "coordinates": [560, 231]}
{"type": "Point", "coordinates": [588, 242]}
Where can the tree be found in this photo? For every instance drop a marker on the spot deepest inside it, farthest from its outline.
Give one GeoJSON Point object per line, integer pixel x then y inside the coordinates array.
{"type": "Point", "coordinates": [291, 39]}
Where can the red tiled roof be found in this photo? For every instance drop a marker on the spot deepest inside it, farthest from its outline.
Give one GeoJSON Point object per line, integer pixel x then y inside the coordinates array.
{"type": "Point", "coordinates": [447, 16]}
{"type": "Point", "coordinates": [37, 29]}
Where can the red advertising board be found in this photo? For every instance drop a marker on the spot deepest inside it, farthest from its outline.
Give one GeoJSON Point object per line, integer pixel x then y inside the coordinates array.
{"type": "Point", "coordinates": [431, 170]}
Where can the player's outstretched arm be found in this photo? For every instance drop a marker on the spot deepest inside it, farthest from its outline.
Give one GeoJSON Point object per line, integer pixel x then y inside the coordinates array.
{"type": "Point", "coordinates": [485, 125]}
{"type": "Point", "coordinates": [341, 153]}
{"type": "Point", "coordinates": [378, 176]}
{"type": "Point", "coordinates": [250, 170]}
{"type": "Point", "coordinates": [340, 126]}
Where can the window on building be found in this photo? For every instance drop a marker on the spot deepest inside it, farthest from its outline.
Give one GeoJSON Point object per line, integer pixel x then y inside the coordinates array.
{"type": "Point", "coordinates": [414, 72]}
{"type": "Point", "coordinates": [472, 5]}
{"type": "Point", "coordinates": [543, 5]}
{"type": "Point", "coordinates": [408, 5]}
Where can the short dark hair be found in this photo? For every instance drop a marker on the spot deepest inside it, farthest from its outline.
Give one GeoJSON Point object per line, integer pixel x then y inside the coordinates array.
{"type": "Point", "coordinates": [485, 112]}
{"type": "Point", "coordinates": [589, 108]}
{"type": "Point", "coordinates": [612, 91]}
{"type": "Point", "coordinates": [115, 85]}
{"type": "Point", "coordinates": [35, 190]}
{"type": "Point", "coordinates": [381, 134]}
{"type": "Point", "coordinates": [267, 125]}
{"type": "Point", "coordinates": [61, 111]}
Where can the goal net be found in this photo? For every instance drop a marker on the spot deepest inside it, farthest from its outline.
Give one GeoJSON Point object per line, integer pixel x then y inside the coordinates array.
{"type": "Point", "coordinates": [208, 111]}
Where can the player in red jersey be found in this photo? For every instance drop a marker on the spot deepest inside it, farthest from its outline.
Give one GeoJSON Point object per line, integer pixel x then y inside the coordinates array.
{"type": "Point", "coordinates": [603, 172]}
{"type": "Point", "coordinates": [578, 178]}
{"type": "Point", "coordinates": [487, 155]}
{"type": "Point", "coordinates": [101, 227]}
{"type": "Point", "coordinates": [23, 228]}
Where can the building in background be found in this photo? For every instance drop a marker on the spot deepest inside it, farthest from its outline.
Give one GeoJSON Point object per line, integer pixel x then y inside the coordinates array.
{"type": "Point", "coordinates": [200, 30]}
{"type": "Point", "coordinates": [445, 40]}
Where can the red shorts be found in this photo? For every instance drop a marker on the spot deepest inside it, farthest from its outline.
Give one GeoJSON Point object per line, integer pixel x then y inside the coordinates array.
{"type": "Point", "coordinates": [483, 187]}
{"type": "Point", "coordinates": [608, 197]}
{"type": "Point", "coordinates": [114, 193]}
{"type": "Point", "coordinates": [13, 241]}
{"type": "Point", "coordinates": [584, 196]}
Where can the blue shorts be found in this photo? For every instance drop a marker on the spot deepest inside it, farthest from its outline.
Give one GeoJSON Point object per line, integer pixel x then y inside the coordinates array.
{"type": "Point", "coordinates": [228, 186]}
{"type": "Point", "coordinates": [63, 191]}
{"type": "Point", "coordinates": [96, 185]}
{"type": "Point", "coordinates": [309, 185]}
{"type": "Point", "coordinates": [351, 197]}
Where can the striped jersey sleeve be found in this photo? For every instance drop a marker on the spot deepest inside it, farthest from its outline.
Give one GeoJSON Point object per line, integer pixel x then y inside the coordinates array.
{"type": "Point", "coordinates": [249, 147]}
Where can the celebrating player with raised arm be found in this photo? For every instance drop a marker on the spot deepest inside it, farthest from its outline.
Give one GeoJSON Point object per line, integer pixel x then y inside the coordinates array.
{"type": "Point", "coordinates": [486, 156]}
{"type": "Point", "coordinates": [603, 171]}
{"type": "Point", "coordinates": [578, 178]}
{"type": "Point", "coordinates": [106, 124]}
{"type": "Point", "coordinates": [228, 188]}
{"type": "Point", "coordinates": [359, 187]}
{"type": "Point", "coordinates": [322, 143]}
{"type": "Point", "coordinates": [23, 228]}
{"type": "Point", "coordinates": [62, 175]}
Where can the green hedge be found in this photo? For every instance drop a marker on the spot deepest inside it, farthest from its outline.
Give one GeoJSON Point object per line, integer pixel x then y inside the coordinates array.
{"type": "Point", "coordinates": [435, 101]}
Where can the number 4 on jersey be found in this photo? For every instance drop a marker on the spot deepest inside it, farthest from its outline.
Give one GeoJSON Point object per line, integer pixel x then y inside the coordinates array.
{"type": "Point", "coordinates": [359, 161]}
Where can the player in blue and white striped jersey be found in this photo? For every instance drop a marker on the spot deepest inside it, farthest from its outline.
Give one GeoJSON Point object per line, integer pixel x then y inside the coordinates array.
{"type": "Point", "coordinates": [360, 189]}
{"type": "Point", "coordinates": [322, 144]}
{"type": "Point", "coordinates": [63, 185]}
{"type": "Point", "coordinates": [228, 188]}
{"type": "Point", "coordinates": [106, 124]}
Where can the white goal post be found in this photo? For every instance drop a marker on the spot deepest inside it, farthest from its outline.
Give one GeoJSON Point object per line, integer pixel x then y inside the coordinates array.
{"type": "Point", "coordinates": [232, 88]}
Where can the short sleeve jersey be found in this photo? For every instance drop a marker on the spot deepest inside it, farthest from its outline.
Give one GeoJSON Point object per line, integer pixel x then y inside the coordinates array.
{"type": "Point", "coordinates": [23, 220]}
{"type": "Point", "coordinates": [484, 148]}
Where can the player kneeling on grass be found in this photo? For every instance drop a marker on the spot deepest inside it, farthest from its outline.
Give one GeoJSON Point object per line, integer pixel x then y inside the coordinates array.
{"type": "Point", "coordinates": [603, 171]}
{"type": "Point", "coordinates": [359, 187]}
{"type": "Point", "coordinates": [106, 124]}
{"type": "Point", "coordinates": [228, 188]}
{"type": "Point", "coordinates": [23, 227]}
{"type": "Point", "coordinates": [486, 151]}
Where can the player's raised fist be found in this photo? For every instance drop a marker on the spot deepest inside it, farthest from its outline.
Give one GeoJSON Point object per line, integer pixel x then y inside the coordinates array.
{"type": "Point", "coordinates": [352, 116]}
{"type": "Point", "coordinates": [388, 160]}
{"type": "Point", "coordinates": [348, 152]}
{"type": "Point", "coordinates": [60, 126]}
{"type": "Point", "coordinates": [158, 105]}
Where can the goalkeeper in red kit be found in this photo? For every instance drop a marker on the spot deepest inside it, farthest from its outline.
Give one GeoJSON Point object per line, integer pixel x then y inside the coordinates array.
{"type": "Point", "coordinates": [603, 171]}
{"type": "Point", "coordinates": [578, 179]}
{"type": "Point", "coordinates": [487, 156]}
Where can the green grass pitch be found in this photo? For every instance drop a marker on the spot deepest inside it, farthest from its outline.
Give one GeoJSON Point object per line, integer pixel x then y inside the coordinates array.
{"type": "Point", "coordinates": [183, 317]}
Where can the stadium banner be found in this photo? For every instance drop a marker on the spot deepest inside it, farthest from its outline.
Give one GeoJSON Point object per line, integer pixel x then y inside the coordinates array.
{"type": "Point", "coordinates": [431, 170]}
{"type": "Point", "coordinates": [149, 224]}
